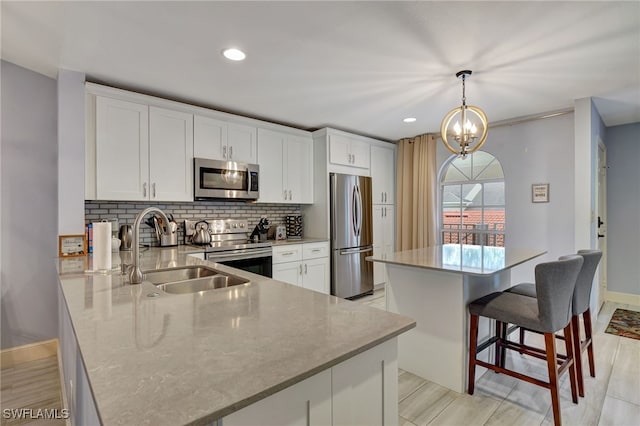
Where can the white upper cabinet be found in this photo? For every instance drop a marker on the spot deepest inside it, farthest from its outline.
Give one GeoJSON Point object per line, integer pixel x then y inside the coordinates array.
{"type": "Point", "coordinates": [383, 174]}
{"type": "Point", "coordinates": [221, 140]}
{"type": "Point", "coordinates": [142, 153]}
{"type": "Point", "coordinates": [170, 155]}
{"type": "Point", "coordinates": [122, 150]}
{"type": "Point", "coordinates": [348, 151]}
{"type": "Point", "coordinates": [242, 143]}
{"type": "Point", "coordinates": [286, 167]}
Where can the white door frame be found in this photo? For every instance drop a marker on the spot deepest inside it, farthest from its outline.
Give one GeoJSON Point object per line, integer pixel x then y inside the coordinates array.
{"type": "Point", "coordinates": [601, 222]}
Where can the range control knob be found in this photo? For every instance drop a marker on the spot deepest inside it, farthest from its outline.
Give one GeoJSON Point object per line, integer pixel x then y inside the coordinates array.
{"type": "Point", "coordinates": [242, 225]}
{"type": "Point", "coordinates": [235, 225]}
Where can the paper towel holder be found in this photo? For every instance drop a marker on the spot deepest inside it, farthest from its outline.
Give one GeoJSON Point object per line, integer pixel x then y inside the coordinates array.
{"type": "Point", "coordinates": [72, 245]}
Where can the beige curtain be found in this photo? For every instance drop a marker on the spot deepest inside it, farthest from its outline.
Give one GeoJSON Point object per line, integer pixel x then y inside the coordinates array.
{"type": "Point", "coordinates": [416, 193]}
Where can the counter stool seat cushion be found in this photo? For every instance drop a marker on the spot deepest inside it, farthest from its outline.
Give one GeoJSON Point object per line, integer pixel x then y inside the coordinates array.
{"type": "Point", "coordinates": [509, 308]}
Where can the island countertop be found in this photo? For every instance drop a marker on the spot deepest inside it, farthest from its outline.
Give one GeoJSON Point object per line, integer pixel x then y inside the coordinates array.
{"type": "Point", "coordinates": [461, 258]}
{"type": "Point", "coordinates": [193, 358]}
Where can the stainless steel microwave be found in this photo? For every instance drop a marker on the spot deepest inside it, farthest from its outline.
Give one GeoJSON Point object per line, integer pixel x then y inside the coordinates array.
{"type": "Point", "coordinates": [225, 179]}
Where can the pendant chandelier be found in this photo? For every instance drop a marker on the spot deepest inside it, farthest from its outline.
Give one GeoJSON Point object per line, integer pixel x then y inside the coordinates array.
{"type": "Point", "coordinates": [470, 129]}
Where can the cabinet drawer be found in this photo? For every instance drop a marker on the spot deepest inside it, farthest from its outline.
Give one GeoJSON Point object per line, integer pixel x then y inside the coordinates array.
{"type": "Point", "coordinates": [287, 253]}
{"type": "Point", "coordinates": [315, 250]}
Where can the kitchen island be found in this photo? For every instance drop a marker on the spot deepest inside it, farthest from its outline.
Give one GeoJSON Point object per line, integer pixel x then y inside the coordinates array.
{"type": "Point", "coordinates": [434, 285]}
{"type": "Point", "coordinates": [263, 350]}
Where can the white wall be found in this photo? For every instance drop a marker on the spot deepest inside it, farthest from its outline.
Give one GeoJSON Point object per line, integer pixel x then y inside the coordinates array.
{"type": "Point", "coordinates": [71, 136]}
{"type": "Point", "coordinates": [623, 208]}
{"type": "Point", "coordinates": [29, 192]}
{"type": "Point", "coordinates": [535, 152]}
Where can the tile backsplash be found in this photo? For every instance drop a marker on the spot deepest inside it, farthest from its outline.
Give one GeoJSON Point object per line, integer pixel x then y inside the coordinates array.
{"type": "Point", "coordinates": [126, 211]}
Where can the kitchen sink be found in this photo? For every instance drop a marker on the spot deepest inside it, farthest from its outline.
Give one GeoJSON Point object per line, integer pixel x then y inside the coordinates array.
{"type": "Point", "coordinates": [191, 279]}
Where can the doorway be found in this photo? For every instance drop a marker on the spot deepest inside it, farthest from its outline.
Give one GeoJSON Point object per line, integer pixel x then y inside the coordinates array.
{"type": "Point", "coordinates": [601, 231]}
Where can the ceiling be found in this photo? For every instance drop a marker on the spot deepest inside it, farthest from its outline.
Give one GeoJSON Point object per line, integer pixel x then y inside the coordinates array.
{"type": "Point", "coordinates": [357, 66]}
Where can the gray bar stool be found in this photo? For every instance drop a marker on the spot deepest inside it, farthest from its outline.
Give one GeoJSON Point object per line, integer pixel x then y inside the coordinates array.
{"type": "Point", "coordinates": [549, 313]}
{"type": "Point", "coordinates": [580, 306]}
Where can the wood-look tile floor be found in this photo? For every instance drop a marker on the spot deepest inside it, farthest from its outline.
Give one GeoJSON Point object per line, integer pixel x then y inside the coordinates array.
{"type": "Point", "coordinates": [612, 398]}
{"type": "Point", "coordinates": [31, 385]}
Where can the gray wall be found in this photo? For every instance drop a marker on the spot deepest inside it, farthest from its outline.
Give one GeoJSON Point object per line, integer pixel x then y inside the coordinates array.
{"type": "Point", "coordinates": [623, 208]}
{"type": "Point", "coordinates": [29, 206]}
{"type": "Point", "coordinates": [535, 152]}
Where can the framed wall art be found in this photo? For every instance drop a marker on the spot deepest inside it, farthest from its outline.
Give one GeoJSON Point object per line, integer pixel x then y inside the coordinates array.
{"type": "Point", "coordinates": [540, 193]}
{"type": "Point", "coordinates": [72, 245]}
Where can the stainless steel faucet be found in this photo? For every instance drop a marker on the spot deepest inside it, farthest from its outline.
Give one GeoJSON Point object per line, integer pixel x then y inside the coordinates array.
{"type": "Point", "coordinates": [135, 276]}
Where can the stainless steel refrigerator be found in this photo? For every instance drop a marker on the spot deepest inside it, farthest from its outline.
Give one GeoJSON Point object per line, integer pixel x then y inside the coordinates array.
{"type": "Point", "coordinates": [351, 235]}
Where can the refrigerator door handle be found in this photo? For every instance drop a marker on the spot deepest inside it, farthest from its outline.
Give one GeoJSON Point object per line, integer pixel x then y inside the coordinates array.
{"type": "Point", "coordinates": [356, 250]}
{"type": "Point", "coordinates": [359, 212]}
{"type": "Point", "coordinates": [354, 211]}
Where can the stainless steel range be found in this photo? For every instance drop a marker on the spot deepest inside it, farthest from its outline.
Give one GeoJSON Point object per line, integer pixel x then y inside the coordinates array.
{"type": "Point", "coordinates": [230, 244]}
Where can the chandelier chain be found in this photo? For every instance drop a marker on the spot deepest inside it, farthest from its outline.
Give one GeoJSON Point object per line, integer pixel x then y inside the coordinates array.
{"type": "Point", "coordinates": [464, 97]}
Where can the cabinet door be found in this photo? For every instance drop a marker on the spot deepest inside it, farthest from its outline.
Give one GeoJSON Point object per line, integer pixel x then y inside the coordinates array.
{"type": "Point", "coordinates": [383, 175]}
{"type": "Point", "coordinates": [316, 274]}
{"type": "Point", "coordinates": [290, 272]}
{"type": "Point", "coordinates": [369, 379]}
{"type": "Point", "coordinates": [360, 154]}
{"type": "Point", "coordinates": [339, 150]}
{"type": "Point", "coordinates": [298, 171]}
{"type": "Point", "coordinates": [378, 243]}
{"type": "Point", "coordinates": [271, 167]}
{"type": "Point", "coordinates": [122, 150]}
{"type": "Point", "coordinates": [209, 138]}
{"type": "Point", "coordinates": [307, 403]}
{"type": "Point", "coordinates": [170, 155]}
{"type": "Point", "coordinates": [242, 143]}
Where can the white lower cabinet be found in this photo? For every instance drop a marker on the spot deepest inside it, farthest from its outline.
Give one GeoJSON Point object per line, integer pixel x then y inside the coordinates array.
{"type": "Point", "coordinates": [305, 265]}
{"type": "Point", "coordinates": [307, 403]}
{"type": "Point", "coordinates": [80, 403]}
{"type": "Point", "coordinates": [360, 391]}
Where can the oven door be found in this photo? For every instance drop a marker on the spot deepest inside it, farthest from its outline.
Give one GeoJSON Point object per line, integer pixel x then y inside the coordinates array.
{"type": "Point", "coordinates": [225, 179]}
{"type": "Point", "coordinates": [257, 261]}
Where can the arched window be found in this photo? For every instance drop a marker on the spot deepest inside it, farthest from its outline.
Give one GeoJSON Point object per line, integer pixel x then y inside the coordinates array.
{"type": "Point", "coordinates": [472, 201]}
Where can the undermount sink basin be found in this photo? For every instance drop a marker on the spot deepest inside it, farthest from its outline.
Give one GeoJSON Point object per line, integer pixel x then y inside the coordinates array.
{"type": "Point", "coordinates": [191, 279]}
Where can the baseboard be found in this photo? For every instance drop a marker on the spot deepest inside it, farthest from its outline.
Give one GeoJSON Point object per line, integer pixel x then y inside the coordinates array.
{"type": "Point", "coordinates": [34, 351]}
{"type": "Point", "coordinates": [626, 298]}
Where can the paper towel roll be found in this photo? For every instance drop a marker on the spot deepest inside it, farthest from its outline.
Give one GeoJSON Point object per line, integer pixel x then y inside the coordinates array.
{"type": "Point", "coordinates": [101, 246]}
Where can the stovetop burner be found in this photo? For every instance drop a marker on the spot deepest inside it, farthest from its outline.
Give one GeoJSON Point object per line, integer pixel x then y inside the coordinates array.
{"type": "Point", "coordinates": [226, 234]}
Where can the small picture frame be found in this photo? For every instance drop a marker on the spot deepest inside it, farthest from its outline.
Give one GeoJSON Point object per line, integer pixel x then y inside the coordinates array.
{"type": "Point", "coordinates": [72, 245]}
{"type": "Point", "coordinates": [540, 193]}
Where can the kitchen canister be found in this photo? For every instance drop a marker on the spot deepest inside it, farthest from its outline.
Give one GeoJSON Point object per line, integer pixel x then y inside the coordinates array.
{"type": "Point", "coordinates": [294, 226]}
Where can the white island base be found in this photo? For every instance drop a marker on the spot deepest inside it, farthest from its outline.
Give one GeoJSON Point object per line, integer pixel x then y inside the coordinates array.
{"type": "Point", "coordinates": [426, 285]}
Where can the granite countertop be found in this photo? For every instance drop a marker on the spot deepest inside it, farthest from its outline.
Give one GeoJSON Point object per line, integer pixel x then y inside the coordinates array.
{"type": "Point", "coordinates": [461, 258]}
{"type": "Point", "coordinates": [194, 358]}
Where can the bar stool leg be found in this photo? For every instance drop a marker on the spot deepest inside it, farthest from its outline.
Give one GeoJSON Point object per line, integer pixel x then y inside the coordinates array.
{"type": "Point", "coordinates": [588, 331]}
{"type": "Point", "coordinates": [550, 348]}
{"type": "Point", "coordinates": [568, 342]}
{"type": "Point", "coordinates": [473, 346]}
{"type": "Point", "coordinates": [577, 347]}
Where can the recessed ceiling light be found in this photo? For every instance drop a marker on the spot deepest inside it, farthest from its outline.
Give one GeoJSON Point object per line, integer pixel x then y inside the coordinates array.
{"type": "Point", "coordinates": [234, 54]}
{"type": "Point", "coordinates": [409, 119]}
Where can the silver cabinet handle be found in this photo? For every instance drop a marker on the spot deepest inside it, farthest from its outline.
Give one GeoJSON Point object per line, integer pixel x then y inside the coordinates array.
{"type": "Point", "coordinates": [230, 152]}
{"type": "Point", "coordinates": [284, 194]}
{"type": "Point", "coordinates": [153, 189]}
{"type": "Point", "coordinates": [354, 159]}
{"type": "Point", "coordinates": [315, 251]}
{"type": "Point", "coordinates": [305, 269]}
{"type": "Point", "coordinates": [290, 196]}
{"type": "Point", "coordinates": [382, 197]}
{"type": "Point", "coordinates": [144, 189]}
{"type": "Point", "coordinates": [224, 151]}
{"type": "Point", "coordinates": [301, 269]}
{"type": "Point", "coordinates": [287, 253]}
{"type": "Point", "coordinates": [385, 197]}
